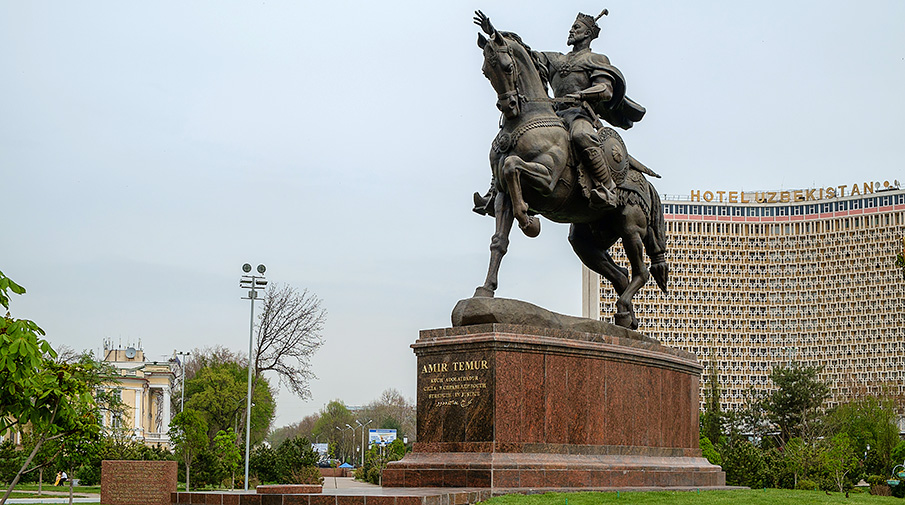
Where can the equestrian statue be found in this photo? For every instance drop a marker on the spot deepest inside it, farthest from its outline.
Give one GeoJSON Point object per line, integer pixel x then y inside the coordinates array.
{"type": "Point", "coordinates": [554, 157]}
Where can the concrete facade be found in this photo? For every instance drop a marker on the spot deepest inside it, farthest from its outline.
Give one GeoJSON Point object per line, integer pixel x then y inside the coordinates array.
{"type": "Point", "coordinates": [809, 277]}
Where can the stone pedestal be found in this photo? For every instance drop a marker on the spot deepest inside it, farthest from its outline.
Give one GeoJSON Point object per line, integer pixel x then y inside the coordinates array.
{"type": "Point", "coordinates": [515, 406]}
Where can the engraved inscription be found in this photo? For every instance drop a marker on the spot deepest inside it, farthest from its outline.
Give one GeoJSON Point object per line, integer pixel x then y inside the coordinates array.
{"type": "Point", "coordinates": [457, 383]}
{"type": "Point", "coordinates": [137, 482]}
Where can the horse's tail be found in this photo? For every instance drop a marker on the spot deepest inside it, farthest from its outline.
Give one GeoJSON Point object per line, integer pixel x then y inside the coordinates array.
{"type": "Point", "coordinates": [655, 240]}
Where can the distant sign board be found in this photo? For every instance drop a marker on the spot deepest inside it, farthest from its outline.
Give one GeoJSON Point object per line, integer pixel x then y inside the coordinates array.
{"type": "Point", "coordinates": [320, 449]}
{"type": "Point", "coordinates": [381, 437]}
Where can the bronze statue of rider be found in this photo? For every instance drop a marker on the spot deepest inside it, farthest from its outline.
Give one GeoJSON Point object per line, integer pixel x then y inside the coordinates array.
{"type": "Point", "coordinates": [586, 87]}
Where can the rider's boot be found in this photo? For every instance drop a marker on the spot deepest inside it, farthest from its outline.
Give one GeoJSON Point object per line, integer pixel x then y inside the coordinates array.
{"type": "Point", "coordinates": [483, 205]}
{"type": "Point", "coordinates": [602, 196]}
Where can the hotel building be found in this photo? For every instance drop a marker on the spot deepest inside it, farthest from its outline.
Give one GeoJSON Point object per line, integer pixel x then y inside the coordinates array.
{"type": "Point", "coordinates": [763, 277]}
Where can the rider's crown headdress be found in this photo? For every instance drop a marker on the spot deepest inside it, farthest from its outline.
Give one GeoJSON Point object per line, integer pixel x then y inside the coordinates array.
{"type": "Point", "coordinates": [591, 22]}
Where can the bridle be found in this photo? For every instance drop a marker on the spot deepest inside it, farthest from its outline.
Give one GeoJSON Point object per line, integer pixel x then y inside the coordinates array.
{"type": "Point", "coordinates": [514, 98]}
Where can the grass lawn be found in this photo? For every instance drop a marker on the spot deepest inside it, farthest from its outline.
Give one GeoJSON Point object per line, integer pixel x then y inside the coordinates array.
{"type": "Point", "coordinates": [738, 497]}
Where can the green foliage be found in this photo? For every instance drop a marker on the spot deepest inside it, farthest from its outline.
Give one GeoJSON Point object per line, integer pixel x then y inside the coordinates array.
{"type": "Point", "coordinates": [869, 421]}
{"type": "Point", "coordinates": [793, 406]}
{"type": "Point", "coordinates": [743, 464]}
{"type": "Point", "coordinates": [219, 390]}
{"type": "Point", "coordinates": [758, 496]}
{"type": "Point", "coordinates": [807, 485]}
{"type": "Point", "coordinates": [188, 432]}
{"type": "Point", "coordinates": [10, 460]}
{"type": "Point", "coordinates": [228, 454]}
{"type": "Point", "coordinates": [376, 459]}
{"type": "Point", "coordinates": [712, 417]}
{"type": "Point", "coordinates": [111, 448]}
{"type": "Point", "coordinates": [295, 458]}
{"type": "Point", "coordinates": [710, 452]}
{"type": "Point", "coordinates": [840, 459]}
{"type": "Point", "coordinates": [263, 464]}
{"type": "Point", "coordinates": [898, 453]}
{"type": "Point", "coordinates": [55, 399]}
{"type": "Point", "coordinates": [334, 415]}
{"type": "Point", "coordinates": [6, 285]}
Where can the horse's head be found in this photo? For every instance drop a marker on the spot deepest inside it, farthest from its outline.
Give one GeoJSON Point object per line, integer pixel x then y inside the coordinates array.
{"type": "Point", "coordinates": [501, 70]}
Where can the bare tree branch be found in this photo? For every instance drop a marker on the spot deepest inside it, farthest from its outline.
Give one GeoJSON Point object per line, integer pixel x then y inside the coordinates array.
{"type": "Point", "coordinates": [288, 335]}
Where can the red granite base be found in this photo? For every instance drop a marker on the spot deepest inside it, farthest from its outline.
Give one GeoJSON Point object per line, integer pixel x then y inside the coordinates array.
{"type": "Point", "coordinates": [289, 489]}
{"type": "Point", "coordinates": [520, 471]}
{"type": "Point", "coordinates": [366, 496]}
{"type": "Point", "coordinates": [512, 406]}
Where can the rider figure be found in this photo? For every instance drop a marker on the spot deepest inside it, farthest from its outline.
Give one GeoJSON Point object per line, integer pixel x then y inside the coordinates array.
{"type": "Point", "coordinates": [596, 88]}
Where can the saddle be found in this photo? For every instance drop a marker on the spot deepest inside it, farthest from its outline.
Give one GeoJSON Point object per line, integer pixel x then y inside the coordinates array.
{"type": "Point", "coordinates": [626, 174]}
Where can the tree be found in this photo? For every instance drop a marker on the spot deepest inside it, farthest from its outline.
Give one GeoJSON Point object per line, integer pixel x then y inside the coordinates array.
{"type": "Point", "coordinates": [55, 399]}
{"type": "Point", "coordinates": [303, 428]}
{"type": "Point", "coordinates": [218, 391]}
{"type": "Point", "coordinates": [226, 448]}
{"type": "Point", "coordinates": [711, 420]}
{"type": "Point", "coordinates": [840, 459]}
{"type": "Point", "coordinates": [793, 405]}
{"type": "Point", "coordinates": [297, 462]}
{"type": "Point", "coordinates": [870, 422]}
{"type": "Point", "coordinates": [188, 432]}
{"type": "Point", "coordinates": [335, 415]}
{"type": "Point", "coordinates": [288, 335]}
{"type": "Point", "coordinates": [391, 411]}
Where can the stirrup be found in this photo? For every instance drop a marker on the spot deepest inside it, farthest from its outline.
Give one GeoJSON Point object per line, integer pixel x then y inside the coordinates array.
{"type": "Point", "coordinates": [602, 199]}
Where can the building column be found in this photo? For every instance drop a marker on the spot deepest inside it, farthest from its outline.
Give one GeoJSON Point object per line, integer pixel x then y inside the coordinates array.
{"type": "Point", "coordinates": [139, 395]}
{"type": "Point", "coordinates": [165, 422]}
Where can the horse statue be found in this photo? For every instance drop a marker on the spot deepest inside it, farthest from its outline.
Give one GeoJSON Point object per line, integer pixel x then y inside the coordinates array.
{"type": "Point", "coordinates": [535, 171]}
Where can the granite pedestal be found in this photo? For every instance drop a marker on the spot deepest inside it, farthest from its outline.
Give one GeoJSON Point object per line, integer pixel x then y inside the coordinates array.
{"type": "Point", "coordinates": [516, 406]}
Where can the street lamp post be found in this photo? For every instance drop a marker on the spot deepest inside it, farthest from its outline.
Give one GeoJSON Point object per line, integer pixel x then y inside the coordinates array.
{"type": "Point", "coordinates": [252, 283]}
{"type": "Point", "coordinates": [363, 438]}
{"type": "Point", "coordinates": [343, 440]}
{"type": "Point", "coordinates": [182, 401]}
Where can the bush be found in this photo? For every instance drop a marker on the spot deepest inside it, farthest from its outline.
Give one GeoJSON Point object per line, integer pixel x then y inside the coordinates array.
{"type": "Point", "coordinates": [262, 463]}
{"type": "Point", "coordinates": [307, 475]}
{"type": "Point", "coordinates": [743, 464]}
{"type": "Point", "coordinates": [375, 462]}
{"type": "Point", "coordinates": [10, 461]}
{"type": "Point", "coordinates": [880, 490]}
{"type": "Point", "coordinates": [806, 485]}
{"type": "Point", "coordinates": [710, 452]}
{"type": "Point", "coordinates": [296, 456]}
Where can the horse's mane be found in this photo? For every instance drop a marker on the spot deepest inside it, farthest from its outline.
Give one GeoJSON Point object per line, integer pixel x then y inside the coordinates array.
{"type": "Point", "coordinates": [542, 70]}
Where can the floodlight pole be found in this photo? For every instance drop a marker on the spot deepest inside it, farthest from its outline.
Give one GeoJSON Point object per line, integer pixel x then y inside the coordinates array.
{"type": "Point", "coordinates": [253, 283]}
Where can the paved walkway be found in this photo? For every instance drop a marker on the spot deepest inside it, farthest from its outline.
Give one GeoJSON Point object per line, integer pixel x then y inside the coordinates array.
{"type": "Point", "coordinates": [345, 483]}
{"type": "Point", "coordinates": [330, 484]}
{"type": "Point", "coordinates": [91, 498]}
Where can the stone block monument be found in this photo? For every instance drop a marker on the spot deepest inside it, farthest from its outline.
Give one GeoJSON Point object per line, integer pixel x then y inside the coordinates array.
{"type": "Point", "coordinates": [514, 397]}
{"type": "Point", "coordinates": [513, 406]}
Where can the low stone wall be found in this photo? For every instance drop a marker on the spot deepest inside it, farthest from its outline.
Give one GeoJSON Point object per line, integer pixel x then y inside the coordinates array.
{"type": "Point", "coordinates": [336, 472]}
{"type": "Point", "coordinates": [137, 482]}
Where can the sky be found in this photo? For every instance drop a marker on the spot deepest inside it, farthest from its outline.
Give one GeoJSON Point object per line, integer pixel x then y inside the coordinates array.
{"type": "Point", "coordinates": [149, 149]}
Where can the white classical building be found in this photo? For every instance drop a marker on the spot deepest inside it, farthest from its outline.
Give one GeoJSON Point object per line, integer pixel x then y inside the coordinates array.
{"type": "Point", "coordinates": [145, 388]}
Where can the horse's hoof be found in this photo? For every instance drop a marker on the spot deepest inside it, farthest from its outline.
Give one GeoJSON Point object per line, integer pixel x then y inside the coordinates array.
{"type": "Point", "coordinates": [626, 320]}
{"type": "Point", "coordinates": [532, 229]}
{"type": "Point", "coordinates": [483, 292]}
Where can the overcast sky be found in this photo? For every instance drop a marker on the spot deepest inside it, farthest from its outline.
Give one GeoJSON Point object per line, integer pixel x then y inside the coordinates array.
{"type": "Point", "coordinates": [149, 149]}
